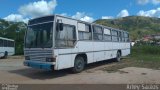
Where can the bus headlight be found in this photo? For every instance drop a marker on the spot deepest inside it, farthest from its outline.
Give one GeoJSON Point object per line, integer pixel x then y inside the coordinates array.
{"type": "Point", "coordinates": [52, 59]}
{"type": "Point", "coordinates": [27, 58]}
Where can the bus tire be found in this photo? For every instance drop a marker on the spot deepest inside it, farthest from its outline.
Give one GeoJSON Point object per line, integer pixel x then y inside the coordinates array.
{"type": "Point", "coordinates": [5, 55]}
{"type": "Point", "coordinates": [118, 57]}
{"type": "Point", "coordinates": [79, 65]}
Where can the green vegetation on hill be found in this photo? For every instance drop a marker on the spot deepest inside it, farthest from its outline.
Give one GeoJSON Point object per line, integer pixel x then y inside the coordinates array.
{"type": "Point", "coordinates": [137, 26]}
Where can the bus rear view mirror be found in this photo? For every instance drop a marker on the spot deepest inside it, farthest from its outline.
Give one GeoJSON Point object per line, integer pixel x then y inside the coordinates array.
{"type": "Point", "coordinates": [61, 26]}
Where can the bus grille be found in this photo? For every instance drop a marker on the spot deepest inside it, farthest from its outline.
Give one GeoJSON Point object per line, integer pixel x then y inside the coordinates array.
{"type": "Point", "coordinates": [38, 55]}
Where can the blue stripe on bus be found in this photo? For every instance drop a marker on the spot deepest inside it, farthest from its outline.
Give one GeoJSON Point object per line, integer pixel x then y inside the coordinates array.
{"type": "Point", "coordinates": [37, 65]}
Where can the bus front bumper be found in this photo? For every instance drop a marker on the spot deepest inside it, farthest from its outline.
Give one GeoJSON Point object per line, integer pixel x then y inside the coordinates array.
{"type": "Point", "coordinates": [38, 65]}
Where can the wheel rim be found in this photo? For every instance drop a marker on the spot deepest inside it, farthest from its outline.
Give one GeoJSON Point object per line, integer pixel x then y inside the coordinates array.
{"type": "Point", "coordinates": [79, 64]}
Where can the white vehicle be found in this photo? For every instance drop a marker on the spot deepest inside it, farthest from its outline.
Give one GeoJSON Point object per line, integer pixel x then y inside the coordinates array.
{"type": "Point", "coordinates": [7, 47]}
{"type": "Point", "coordinates": [57, 42]}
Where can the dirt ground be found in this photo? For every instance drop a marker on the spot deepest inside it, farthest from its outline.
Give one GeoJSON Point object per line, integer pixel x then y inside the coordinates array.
{"type": "Point", "coordinates": [13, 71]}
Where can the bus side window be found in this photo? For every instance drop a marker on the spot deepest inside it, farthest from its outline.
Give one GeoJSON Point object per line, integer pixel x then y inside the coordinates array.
{"type": "Point", "coordinates": [5, 43]}
{"type": "Point", "coordinates": [126, 35]}
{"type": "Point", "coordinates": [120, 36]}
{"type": "Point", "coordinates": [66, 37]}
{"type": "Point", "coordinates": [97, 33]}
{"type": "Point", "coordinates": [123, 38]}
{"type": "Point", "coordinates": [1, 43]}
{"type": "Point", "coordinates": [114, 36]}
{"type": "Point", "coordinates": [85, 34]}
{"type": "Point", "coordinates": [107, 35]}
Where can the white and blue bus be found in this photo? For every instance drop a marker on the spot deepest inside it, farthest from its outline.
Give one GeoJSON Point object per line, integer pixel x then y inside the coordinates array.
{"type": "Point", "coordinates": [7, 47]}
{"type": "Point", "coordinates": [56, 42]}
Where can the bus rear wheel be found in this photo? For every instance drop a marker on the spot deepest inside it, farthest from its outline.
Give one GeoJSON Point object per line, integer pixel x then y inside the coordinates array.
{"type": "Point", "coordinates": [118, 56]}
{"type": "Point", "coordinates": [5, 55]}
{"type": "Point", "coordinates": [79, 65]}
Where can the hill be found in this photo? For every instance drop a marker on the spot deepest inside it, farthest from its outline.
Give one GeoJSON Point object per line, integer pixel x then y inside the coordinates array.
{"type": "Point", "coordinates": [137, 26]}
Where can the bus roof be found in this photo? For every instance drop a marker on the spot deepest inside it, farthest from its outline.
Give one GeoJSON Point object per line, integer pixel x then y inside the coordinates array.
{"type": "Point", "coordinates": [6, 39]}
{"type": "Point", "coordinates": [82, 22]}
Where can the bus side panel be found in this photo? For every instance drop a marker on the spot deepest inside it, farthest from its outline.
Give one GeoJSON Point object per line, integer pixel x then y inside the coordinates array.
{"type": "Point", "coordinates": [1, 54]}
{"type": "Point", "coordinates": [64, 58]}
{"type": "Point", "coordinates": [124, 47]}
{"type": "Point", "coordinates": [98, 51]}
{"type": "Point", "coordinates": [126, 50]}
{"type": "Point", "coordinates": [10, 50]}
{"type": "Point", "coordinates": [87, 48]}
{"type": "Point", "coordinates": [115, 47]}
{"type": "Point", "coordinates": [64, 61]}
{"type": "Point", "coordinates": [108, 50]}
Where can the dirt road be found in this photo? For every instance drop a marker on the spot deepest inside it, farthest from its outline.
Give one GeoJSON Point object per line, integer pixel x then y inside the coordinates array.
{"type": "Point", "coordinates": [13, 71]}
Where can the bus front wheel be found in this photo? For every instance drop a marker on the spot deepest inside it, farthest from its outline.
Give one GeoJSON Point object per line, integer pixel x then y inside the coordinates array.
{"type": "Point", "coordinates": [79, 64]}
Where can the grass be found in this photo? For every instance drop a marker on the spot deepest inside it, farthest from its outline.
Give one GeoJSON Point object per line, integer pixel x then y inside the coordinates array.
{"type": "Point", "coordinates": [151, 61]}
{"type": "Point", "coordinates": [146, 49]}
{"type": "Point", "coordinates": [141, 56]}
{"type": "Point", "coordinates": [146, 53]}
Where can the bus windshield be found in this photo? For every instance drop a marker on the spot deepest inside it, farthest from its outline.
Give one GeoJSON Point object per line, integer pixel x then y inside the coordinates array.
{"type": "Point", "coordinates": [39, 36]}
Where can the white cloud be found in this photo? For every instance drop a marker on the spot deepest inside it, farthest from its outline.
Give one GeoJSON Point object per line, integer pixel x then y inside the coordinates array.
{"type": "Point", "coordinates": [156, 2]}
{"type": "Point", "coordinates": [78, 15]}
{"type": "Point", "coordinates": [107, 17]}
{"type": "Point", "coordinates": [16, 18]}
{"type": "Point", "coordinates": [143, 2]}
{"type": "Point", "coordinates": [87, 19]}
{"type": "Point", "coordinates": [150, 13]}
{"type": "Point", "coordinates": [32, 10]}
{"type": "Point", "coordinates": [123, 13]}
{"type": "Point", "coordinates": [63, 14]}
{"type": "Point", "coordinates": [39, 8]}
{"type": "Point", "coordinates": [82, 16]}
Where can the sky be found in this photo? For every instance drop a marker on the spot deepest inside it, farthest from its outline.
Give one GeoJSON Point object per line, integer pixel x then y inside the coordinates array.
{"type": "Point", "coordinates": [86, 10]}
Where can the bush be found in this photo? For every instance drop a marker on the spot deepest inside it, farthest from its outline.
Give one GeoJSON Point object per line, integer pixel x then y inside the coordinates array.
{"type": "Point", "coordinates": [146, 49]}
{"type": "Point", "coordinates": [19, 49]}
